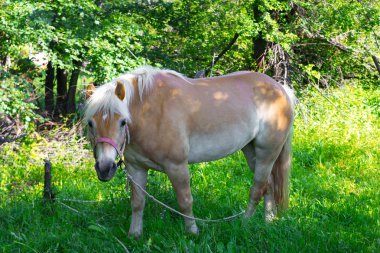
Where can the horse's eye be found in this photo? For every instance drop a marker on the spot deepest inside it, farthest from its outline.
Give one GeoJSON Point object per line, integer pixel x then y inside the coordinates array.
{"type": "Point", "coordinates": [123, 123]}
{"type": "Point", "coordinates": [90, 124]}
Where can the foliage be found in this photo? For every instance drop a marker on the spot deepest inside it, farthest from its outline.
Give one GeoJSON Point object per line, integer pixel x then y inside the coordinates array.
{"type": "Point", "coordinates": [325, 42]}
{"type": "Point", "coordinates": [186, 35]}
{"type": "Point", "coordinates": [339, 38]}
{"type": "Point", "coordinates": [334, 204]}
{"type": "Point", "coordinates": [16, 101]}
{"type": "Point", "coordinates": [70, 31]}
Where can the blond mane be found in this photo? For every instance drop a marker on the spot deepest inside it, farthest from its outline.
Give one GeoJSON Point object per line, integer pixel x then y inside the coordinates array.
{"type": "Point", "coordinates": [145, 77]}
{"type": "Point", "coordinates": [105, 101]}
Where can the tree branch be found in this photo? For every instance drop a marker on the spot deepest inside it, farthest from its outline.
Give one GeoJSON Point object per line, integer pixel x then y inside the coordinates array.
{"type": "Point", "coordinates": [341, 47]}
{"type": "Point", "coordinates": [204, 73]}
{"type": "Point", "coordinates": [298, 9]}
{"type": "Point", "coordinates": [4, 140]}
{"type": "Point", "coordinates": [377, 64]}
{"type": "Point", "coordinates": [322, 38]}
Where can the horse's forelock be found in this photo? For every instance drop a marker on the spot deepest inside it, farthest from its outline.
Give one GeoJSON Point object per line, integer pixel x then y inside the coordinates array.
{"type": "Point", "coordinates": [105, 101]}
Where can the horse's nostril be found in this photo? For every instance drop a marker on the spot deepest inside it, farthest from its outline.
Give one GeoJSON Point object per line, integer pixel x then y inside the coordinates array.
{"type": "Point", "coordinates": [105, 165]}
{"type": "Point", "coordinates": [105, 169]}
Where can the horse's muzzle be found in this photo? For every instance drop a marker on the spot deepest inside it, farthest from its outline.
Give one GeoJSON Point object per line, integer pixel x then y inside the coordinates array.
{"type": "Point", "coordinates": [105, 170]}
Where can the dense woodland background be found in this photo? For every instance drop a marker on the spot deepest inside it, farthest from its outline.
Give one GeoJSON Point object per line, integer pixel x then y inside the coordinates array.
{"type": "Point", "coordinates": [327, 50]}
{"type": "Point", "coordinates": [50, 49]}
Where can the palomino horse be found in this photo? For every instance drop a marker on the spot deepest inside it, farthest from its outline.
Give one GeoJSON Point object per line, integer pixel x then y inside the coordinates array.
{"type": "Point", "coordinates": [162, 120]}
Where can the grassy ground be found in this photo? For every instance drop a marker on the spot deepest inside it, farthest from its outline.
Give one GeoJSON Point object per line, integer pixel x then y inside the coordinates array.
{"type": "Point", "coordinates": [334, 202]}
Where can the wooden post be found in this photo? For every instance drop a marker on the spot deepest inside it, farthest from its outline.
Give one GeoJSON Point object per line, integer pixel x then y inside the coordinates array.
{"type": "Point", "coordinates": [48, 191]}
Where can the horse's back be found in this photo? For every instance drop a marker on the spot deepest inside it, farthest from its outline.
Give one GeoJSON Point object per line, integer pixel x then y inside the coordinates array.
{"type": "Point", "coordinates": [224, 113]}
{"type": "Point", "coordinates": [207, 119]}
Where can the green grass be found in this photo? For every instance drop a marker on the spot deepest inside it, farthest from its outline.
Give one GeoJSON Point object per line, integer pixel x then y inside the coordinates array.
{"type": "Point", "coordinates": [334, 202]}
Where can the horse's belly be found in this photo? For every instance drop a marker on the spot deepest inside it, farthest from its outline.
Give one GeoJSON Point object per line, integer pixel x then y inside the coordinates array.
{"type": "Point", "coordinates": [209, 147]}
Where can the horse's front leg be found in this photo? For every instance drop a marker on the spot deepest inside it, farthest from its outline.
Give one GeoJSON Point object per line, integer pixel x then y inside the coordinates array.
{"type": "Point", "coordinates": [179, 176]}
{"type": "Point", "coordinates": [139, 176]}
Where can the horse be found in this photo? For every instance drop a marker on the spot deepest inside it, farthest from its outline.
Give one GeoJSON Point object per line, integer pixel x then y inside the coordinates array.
{"type": "Point", "coordinates": [162, 120]}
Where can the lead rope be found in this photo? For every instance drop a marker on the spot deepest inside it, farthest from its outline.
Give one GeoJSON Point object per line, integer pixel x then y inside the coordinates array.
{"type": "Point", "coordinates": [128, 176]}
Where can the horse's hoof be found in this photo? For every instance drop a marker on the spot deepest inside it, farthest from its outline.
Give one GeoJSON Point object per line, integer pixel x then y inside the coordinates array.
{"type": "Point", "coordinates": [269, 217]}
{"type": "Point", "coordinates": [248, 214]}
{"type": "Point", "coordinates": [135, 234]}
{"type": "Point", "coordinates": [193, 230]}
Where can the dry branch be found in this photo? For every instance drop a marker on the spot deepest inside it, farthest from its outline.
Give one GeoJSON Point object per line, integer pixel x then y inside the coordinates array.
{"type": "Point", "coordinates": [10, 129]}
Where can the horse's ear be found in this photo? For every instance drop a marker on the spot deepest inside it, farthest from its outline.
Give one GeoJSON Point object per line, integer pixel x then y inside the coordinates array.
{"type": "Point", "coordinates": [120, 90]}
{"type": "Point", "coordinates": [90, 90]}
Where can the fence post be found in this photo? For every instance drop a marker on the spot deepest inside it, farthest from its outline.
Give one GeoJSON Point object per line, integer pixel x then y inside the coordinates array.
{"type": "Point", "coordinates": [48, 191]}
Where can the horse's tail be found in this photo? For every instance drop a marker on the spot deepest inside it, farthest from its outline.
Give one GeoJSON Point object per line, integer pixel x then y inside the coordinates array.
{"type": "Point", "coordinates": [281, 167]}
{"type": "Point", "coordinates": [280, 174]}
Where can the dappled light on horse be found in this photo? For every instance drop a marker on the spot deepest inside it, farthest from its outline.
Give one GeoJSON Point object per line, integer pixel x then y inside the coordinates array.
{"type": "Point", "coordinates": [161, 120]}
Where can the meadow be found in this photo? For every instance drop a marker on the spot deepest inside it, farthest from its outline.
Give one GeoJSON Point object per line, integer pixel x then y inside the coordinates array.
{"type": "Point", "coordinates": [334, 191]}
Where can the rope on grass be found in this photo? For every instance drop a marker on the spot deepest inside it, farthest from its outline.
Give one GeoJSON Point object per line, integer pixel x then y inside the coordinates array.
{"type": "Point", "coordinates": [82, 201]}
{"type": "Point", "coordinates": [229, 218]}
{"type": "Point", "coordinates": [128, 176]}
{"type": "Point", "coordinates": [49, 196]}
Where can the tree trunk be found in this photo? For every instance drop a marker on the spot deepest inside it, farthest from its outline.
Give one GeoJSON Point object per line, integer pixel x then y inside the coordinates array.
{"type": "Point", "coordinates": [259, 43]}
{"type": "Point", "coordinates": [6, 62]}
{"type": "Point", "coordinates": [377, 64]}
{"type": "Point", "coordinates": [73, 88]}
{"type": "Point", "coordinates": [49, 85]}
{"type": "Point", "coordinates": [259, 50]}
{"type": "Point", "coordinates": [61, 91]}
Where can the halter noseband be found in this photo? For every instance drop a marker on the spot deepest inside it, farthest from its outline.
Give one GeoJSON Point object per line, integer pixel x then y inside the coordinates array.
{"type": "Point", "coordinates": [114, 144]}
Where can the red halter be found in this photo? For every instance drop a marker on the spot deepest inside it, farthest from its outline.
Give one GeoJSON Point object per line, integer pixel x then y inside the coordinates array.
{"type": "Point", "coordinates": [113, 143]}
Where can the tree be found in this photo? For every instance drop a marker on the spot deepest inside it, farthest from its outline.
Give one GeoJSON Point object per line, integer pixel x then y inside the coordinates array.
{"type": "Point", "coordinates": [303, 41]}
{"type": "Point", "coordinates": [72, 33]}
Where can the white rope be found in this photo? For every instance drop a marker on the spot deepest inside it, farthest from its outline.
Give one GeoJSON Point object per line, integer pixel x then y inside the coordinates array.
{"type": "Point", "coordinates": [128, 176]}
{"type": "Point", "coordinates": [172, 209]}
{"type": "Point", "coordinates": [81, 201]}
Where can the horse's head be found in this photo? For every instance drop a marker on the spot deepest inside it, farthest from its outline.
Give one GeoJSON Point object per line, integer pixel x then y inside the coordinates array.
{"type": "Point", "coordinates": [107, 127]}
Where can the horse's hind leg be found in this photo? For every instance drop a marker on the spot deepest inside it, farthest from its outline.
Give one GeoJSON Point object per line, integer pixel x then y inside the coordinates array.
{"type": "Point", "coordinates": [249, 153]}
{"type": "Point", "coordinates": [263, 185]}
{"type": "Point", "coordinates": [250, 156]}
{"type": "Point", "coordinates": [270, 204]}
